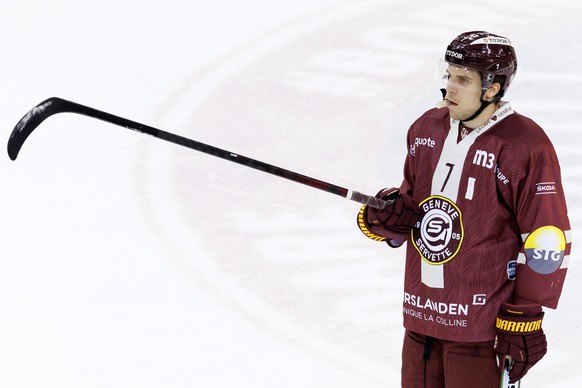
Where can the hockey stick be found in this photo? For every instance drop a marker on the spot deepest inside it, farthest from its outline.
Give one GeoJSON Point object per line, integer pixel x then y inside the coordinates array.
{"type": "Point", "coordinates": [505, 381]}
{"type": "Point", "coordinates": [55, 105]}
{"type": "Point", "coordinates": [505, 376]}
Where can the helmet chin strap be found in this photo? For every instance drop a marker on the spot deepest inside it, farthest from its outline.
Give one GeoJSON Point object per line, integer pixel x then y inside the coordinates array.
{"type": "Point", "coordinates": [484, 104]}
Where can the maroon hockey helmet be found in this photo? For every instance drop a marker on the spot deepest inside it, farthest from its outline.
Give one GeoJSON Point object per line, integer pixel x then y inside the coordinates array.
{"type": "Point", "coordinates": [492, 55]}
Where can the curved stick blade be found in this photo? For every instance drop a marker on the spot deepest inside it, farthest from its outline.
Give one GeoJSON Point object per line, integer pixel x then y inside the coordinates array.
{"type": "Point", "coordinates": [30, 121]}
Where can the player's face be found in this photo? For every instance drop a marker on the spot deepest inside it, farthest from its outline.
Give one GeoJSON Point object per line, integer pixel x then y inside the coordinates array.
{"type": "Point", "coordinates": [463, 92]}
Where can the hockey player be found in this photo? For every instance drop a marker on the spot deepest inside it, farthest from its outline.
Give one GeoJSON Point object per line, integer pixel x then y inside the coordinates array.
{"type": "Point", "coordinates": [483, 211]}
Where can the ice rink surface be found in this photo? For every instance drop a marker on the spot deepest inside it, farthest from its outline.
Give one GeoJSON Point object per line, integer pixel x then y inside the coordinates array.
{"type": "Point", "coordinates": [129, 262]}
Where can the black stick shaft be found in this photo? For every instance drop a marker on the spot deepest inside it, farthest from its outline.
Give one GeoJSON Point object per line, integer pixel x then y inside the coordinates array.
{"type": "Point", "coordinates": [55, 105]}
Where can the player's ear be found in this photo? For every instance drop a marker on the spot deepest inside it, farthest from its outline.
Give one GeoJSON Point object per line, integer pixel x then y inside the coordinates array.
{"type": "Point", "coordinates": [492, 91]}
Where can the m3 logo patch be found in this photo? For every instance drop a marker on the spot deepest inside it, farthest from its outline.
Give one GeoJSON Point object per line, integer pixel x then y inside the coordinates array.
{"type": "Point", "coordinates": [484, 159]}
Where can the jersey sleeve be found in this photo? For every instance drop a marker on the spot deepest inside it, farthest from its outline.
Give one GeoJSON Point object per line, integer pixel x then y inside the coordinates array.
{"type": "Point", "coordinates": [394, 237]}
{"type": "Point", "coordinates": [407, 186]}
{"type": "Point", "coordinates": [542, 218]}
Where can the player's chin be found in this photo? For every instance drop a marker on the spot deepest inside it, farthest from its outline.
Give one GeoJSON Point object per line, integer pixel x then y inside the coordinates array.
{"type": "Point", "coordinates": [456, 114]}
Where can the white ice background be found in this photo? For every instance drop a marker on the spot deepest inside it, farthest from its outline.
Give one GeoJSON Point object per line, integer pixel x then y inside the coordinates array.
{"type": "Point", "coordinates": [126, 261]}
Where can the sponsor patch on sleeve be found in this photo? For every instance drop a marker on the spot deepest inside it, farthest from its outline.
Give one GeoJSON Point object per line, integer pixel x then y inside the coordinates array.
{"type": "Point", "coordinates": [544, 249]}
{"type": "Point", "coordinates": [544, 188]}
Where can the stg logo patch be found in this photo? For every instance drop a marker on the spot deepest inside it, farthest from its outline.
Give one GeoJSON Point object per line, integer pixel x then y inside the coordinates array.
{"type": "Point", "coordinates": [545, 249]}
{"type": "Point", "coordinates": [439, 233]}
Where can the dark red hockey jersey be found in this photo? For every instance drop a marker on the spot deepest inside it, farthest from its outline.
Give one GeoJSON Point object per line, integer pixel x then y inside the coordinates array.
{"type": "Point", "coordinates": [493, 227]}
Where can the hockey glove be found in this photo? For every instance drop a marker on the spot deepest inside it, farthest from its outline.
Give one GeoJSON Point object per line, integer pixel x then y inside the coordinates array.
{"type": "Point", "coordinates": [520, 341]}
{"type": "Point", "coordinates": [392, 223]}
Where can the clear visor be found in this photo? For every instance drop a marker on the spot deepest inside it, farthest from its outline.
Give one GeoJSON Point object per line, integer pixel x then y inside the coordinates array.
{"type": "Point", "coordinates": [453, 76]}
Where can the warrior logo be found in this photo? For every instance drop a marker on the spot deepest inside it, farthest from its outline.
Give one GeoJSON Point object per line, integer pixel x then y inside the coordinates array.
{"type": "Point", "coordinates": [439, 233]}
